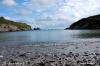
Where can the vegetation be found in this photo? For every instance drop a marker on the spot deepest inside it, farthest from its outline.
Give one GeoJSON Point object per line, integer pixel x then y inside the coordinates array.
{"type": "Point", "coordinates": [21, 26]}
{"type": "Point", "coordinates": [92, 22]}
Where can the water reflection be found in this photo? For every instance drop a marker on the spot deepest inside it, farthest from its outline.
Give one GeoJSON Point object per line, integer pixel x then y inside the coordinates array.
{"type": "Point", "coordinates": [88, 34]}
{"type": "Point", "coordinates": [47, 36]}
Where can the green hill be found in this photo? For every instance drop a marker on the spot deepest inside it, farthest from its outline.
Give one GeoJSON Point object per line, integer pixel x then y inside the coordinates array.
{"type": "Point", "coordinates": [8, 25]}
{"type": "Point", "coordinates": [92, 22]}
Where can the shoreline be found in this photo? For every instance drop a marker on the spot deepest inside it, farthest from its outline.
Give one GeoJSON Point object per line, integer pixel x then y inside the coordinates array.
{"type": "Point", "coordinates": [86, 53]}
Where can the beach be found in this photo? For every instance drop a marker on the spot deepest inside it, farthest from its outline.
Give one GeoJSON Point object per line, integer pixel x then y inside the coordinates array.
{"type": "Point", "coordinates": [49, 32]}
{"type": "Point", "coordinates": [77, 53]}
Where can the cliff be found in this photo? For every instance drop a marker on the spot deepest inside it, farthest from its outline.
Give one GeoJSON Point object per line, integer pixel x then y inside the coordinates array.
{"type": "Point", "coordinates": [8, 25]}
{"type": "Point", "coordinates": [92, 22]}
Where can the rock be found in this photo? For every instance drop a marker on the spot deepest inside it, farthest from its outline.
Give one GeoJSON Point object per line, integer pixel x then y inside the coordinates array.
{"type": "Point", "coordinates": [22, 55]}
{"type": "Point", "coordinates": [1, 56]}
{"type": "Point", "coordinates": [89, 65]}
{"type": "Point", "coordinates": [70, 54]}
{"type": "Point", "coordinates": [67, 65]}
{"type": "Point", "coordinates": [36, 28]}
{"type": "Point", "coordinates": [6, 28]}
{"type": "Point", "coordinates": [92, 22]}
{"type": "Point", "coordinates": [12, 61]}
{"type": "Point", "coordinates": [40, 64]}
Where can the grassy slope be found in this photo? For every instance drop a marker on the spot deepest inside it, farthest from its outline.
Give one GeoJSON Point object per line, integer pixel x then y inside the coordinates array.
{"type": "Point", "coordinates": [18, 24]}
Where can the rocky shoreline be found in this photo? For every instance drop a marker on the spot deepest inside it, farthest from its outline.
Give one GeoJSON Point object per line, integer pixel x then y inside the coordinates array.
{"type": "Point", "coordinates": [65, 54]}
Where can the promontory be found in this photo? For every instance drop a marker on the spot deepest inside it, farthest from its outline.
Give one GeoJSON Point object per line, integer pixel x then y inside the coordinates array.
{"type": "Point", "coordinates": [10, 26]}
{"type": "Point", "coordinates": [92, 22]}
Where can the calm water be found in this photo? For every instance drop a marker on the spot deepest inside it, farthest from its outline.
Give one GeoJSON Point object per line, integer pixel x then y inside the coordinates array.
{"type": "Point", "coordinates": [29, 37]}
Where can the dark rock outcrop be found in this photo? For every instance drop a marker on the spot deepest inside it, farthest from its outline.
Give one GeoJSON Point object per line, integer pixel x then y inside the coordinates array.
{"type": "Point", "coordinates": [92, 22]}
{"type": "Point", "coordinates": [36, 28]}
{"type": "Point", "coordinates": [8, 25]}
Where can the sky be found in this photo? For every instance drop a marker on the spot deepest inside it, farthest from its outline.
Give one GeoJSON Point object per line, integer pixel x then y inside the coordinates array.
{"type": "Point", "coordinates": [49, 14]}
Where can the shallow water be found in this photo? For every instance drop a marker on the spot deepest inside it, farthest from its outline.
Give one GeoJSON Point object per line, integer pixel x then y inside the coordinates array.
{"type": "Point", "coordinates": [30, 37]}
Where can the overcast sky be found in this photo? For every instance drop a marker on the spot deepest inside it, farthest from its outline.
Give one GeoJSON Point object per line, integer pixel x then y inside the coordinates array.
{"type": "Point", "coordinates": [48, 13]}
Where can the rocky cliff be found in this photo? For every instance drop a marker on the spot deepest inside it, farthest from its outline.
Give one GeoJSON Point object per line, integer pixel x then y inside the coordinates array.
{"type": "Point", "coordinates": [92, 22]}
{"type": "Point", "coordinates": [8, 25]}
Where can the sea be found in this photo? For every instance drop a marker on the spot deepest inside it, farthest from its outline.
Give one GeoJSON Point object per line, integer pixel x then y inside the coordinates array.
{"type": "Point", "coordinates": [48, 36]}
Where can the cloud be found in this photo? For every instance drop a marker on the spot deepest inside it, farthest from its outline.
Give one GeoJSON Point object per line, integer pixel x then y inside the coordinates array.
{"type": "Point", "coordinates": [6, 17]}
{"type": "Point", "coordinates": [60, 8]}
{"type": "Point", "coordinates": [38, 6]}
{"type": "Point", "coordinates": [77, 9]}
{"type": "Point", "coordinates": [56, 13]}
{"type": "Point", "coordinates": [9, 3]}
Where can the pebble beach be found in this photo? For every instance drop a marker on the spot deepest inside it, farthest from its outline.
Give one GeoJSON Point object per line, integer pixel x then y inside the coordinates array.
{"type": "Point", "coordinates": [76, 53]}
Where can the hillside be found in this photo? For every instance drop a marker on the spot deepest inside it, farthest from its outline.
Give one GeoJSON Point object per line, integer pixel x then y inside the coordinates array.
{"type": "Point", "coordinates": [92, 22]}
{"type": "Point", "coordinates": [8, 25]}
